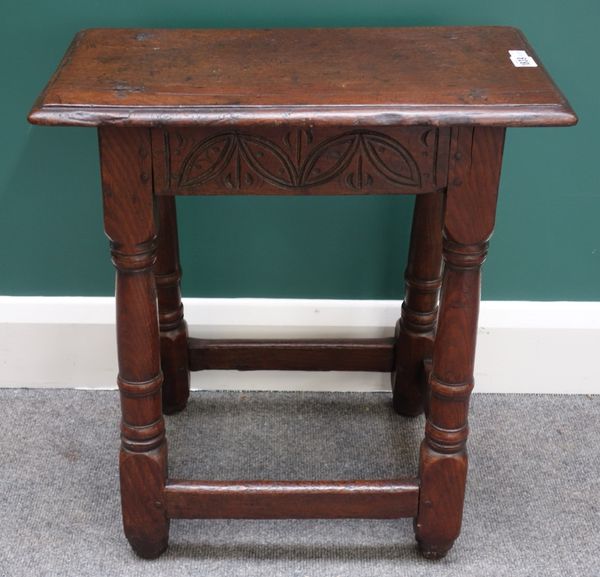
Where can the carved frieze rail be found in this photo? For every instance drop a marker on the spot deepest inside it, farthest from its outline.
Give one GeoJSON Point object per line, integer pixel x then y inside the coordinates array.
{"type": "Point", "coordinates": [300, 160]}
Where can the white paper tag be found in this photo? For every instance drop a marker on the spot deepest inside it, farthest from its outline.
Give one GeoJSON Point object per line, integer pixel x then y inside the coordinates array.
{"type": "Point", "coordinates": [521, 59]}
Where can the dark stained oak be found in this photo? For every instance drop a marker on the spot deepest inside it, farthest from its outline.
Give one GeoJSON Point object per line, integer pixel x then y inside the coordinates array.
{"type": "Point", "coordinates": [415, 330]}
{"type": "Point", "coordinates": [344, 77]}
{"type": "Point", "coordinates": [292, 499]}
{"type": "Point", "coordinates": [292, 355]}
{"type": "Point", "coordinates": [130, 226]}
{"type": "Point", "coordinates": [418, 111]}
{"type": "Point", "coordinates": [468, 224]}
{"type": "Point", "coordinates": [289, 159]}
{"type": "Point", "coordinates": [173, 328]}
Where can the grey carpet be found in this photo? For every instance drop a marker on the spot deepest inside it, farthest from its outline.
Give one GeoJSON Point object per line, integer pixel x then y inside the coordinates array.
{"type": "Point", "coordinates": [532, 504]}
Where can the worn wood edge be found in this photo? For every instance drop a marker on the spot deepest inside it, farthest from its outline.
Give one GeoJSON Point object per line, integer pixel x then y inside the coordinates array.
{"type": "Point", "coordinates": [379, 499]}
{"type": "Point", "coordinates": [338, 115]}
{"type": "Point", "coordinates": [39, 105]}
{"type": "Point", "coordinates": [371, 354]}
{"type": "Point", "coordinates": [565, 104]}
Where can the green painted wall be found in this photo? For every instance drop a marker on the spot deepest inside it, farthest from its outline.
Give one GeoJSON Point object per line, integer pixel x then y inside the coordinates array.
{"type": "Point", "coordinates": [547, 242]}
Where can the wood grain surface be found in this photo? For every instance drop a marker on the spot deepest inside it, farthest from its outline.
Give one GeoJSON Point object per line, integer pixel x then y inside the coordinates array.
{"type": "Point", "coordinates": [354, 76]}
{"type": "Point", "coordinates": [381, 499]}
{"type": "Point", "coordinates": [374, 354]}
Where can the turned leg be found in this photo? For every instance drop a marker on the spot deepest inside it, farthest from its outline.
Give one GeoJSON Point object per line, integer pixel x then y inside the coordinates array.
{"type": "Point", "coordinates": [130, 226]}
{"type": "Point", "coordinates": [468, 224]}
{"type": "Point", "coordinates": [173, 328]}
{"type": "Point", "coordinates": [416, 328]}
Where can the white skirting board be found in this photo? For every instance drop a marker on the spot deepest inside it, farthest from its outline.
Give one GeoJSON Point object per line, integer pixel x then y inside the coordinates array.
{"type": "Point", "coordinates": [523, 347]}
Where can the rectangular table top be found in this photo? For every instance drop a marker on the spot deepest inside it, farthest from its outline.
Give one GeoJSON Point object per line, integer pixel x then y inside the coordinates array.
{"type": "Point", "coordinates": [354, 76]}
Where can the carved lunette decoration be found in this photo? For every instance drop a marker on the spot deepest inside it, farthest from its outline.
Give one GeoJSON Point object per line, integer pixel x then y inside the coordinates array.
{"type": "Point", "coordinates": [284, 160]}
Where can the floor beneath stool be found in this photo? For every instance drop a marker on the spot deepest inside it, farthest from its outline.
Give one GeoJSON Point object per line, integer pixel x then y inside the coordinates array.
{"type": "Point", "coordinates": [533, 498]}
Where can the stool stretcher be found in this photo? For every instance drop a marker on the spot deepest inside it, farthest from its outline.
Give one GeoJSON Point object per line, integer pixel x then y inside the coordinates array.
{"type": "Point", "coordinates": [376, 355]}
{"type": "Point", "coordinates": [381, 499]}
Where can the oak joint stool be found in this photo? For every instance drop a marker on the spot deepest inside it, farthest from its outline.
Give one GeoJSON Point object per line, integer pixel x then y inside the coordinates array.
{"type": "Point", "coordinates": [418, 111]}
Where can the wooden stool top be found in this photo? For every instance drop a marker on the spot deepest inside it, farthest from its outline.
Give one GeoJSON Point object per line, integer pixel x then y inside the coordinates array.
{"type": "Point", "coordinates": [356, 76]}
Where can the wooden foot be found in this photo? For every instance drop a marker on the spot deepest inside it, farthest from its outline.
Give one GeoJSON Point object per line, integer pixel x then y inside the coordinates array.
{"type": "Point", "coordinates": [146, 550]}
{"type": "Point", "coordinates": [416, 328]}
{"type": "Point", "coordinates": [433, 552]}
{"type": "Point", "coordinates": [175, 367]}
{"type": "Point", "coordinates": [145, 522]}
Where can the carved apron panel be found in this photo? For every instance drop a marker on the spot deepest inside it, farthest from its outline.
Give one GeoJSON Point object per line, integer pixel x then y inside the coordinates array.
{"type": "Point", "coordinates": [298, 160]}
